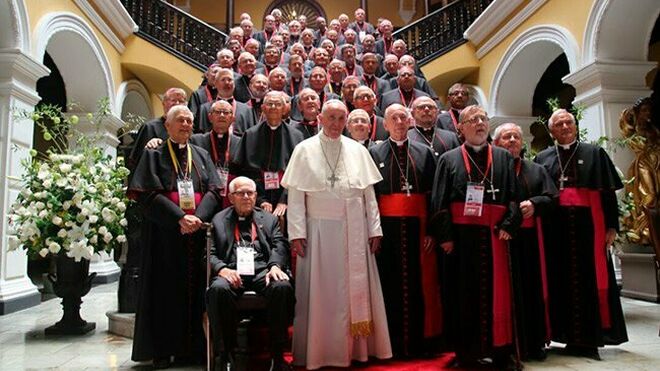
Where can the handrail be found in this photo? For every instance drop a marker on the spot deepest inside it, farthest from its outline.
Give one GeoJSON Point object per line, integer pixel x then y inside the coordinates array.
{"type": "Point", "coordinates": [178, 32]}
{"type": "Point", "coordinates": [440, 31]}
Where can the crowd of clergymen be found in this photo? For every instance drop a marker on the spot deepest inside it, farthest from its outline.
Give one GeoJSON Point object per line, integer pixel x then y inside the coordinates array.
{"type": "Point", "coordinates": [406, 231]}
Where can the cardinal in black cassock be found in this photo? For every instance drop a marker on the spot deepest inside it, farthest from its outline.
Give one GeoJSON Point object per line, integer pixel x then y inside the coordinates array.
{"type": "Point", "coordinates": [537, 195]}
{"type": "Point", "coordinates": [170, 305]}
{"type": "Point", "coordinates": [149, 130]}
{"type": "Point", "coordinates": [265, 150]}
{"type": "Point", "coordinates": [476, 232]}
{"type": "Point", "coordinates": [585, 306]}
{"type": "Point", "coordinates": [407, 261]}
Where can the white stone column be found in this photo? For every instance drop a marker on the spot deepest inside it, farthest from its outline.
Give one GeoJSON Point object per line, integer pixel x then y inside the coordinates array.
{"type": "Point", "coordinates": [102, 263]}
{"type": "Point", "coordinates": [18, 77]}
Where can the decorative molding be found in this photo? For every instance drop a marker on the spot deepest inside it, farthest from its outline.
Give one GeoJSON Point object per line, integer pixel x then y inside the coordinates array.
{"type": "Point", "coordinates": [21, 27]}
{"type": "Point", "coordinates": [98, 21]}
{"type": "Point", "coordinates": [488, 21]}
{"type": "Point", "coordinates": [510, 26]}
{"type": "Point", "coordinates": [542, 33]}
{"type": "Point", "coordinates": [610, 81]}
{"type": "Point", "coordinates": [477, 94]}
{"type": "Point", "coordinates": [591, 30]}
{"type": "Point", "coordinates": [118, 17]}
{"type": "Point", "coordinates": [22, 73]}
{"type": "Point", "coordinates": [131, 86]}
{"type": "Point", "coordinates": [55, 22]}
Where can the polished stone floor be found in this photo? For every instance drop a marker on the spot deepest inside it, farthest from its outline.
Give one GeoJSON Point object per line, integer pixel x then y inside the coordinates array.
{"type": "Point", "coordinates": [24, 346]}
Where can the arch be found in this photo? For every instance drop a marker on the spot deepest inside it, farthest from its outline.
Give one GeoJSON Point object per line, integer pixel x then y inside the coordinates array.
{"type": "Point", "coordinates": [611, 35]}
{"type": "Point", "coordinates": [15, 32]}
{"type": "Point", "coordinates": [133, 97]}
{"type": "Point", "coordinates": [308, 7]}
{"type": "Point", "coordinates": [524, 63]}
{"type": "Point", "coordinates": [79, 55]}
{"type": "Point", "coordinates": [477, 95]}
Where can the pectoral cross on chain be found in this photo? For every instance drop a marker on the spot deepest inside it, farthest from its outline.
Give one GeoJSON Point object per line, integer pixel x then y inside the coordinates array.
{"type": "Point", "coordinates": [406, 187]}
{"type": "Point", "coordinates": [492, 191]}
{"type": "Point", "coordinates": [333, 178]}
{"type": "Point", "coordinates": [562, 178]}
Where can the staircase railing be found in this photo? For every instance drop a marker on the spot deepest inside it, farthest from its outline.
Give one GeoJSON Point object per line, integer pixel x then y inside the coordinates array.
{"type": "Point", "coordinates": [181, 34]}
{"type": "Point", "coordinates": [440, 31]}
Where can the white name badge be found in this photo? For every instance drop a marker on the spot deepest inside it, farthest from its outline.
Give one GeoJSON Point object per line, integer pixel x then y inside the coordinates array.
{"type": "Point", "coordinates": [474, 199]}
{"type": "Point", "coordinates": [362, 35]}
{"type": "Point", "coordinates": [223, 174]}
{"type": "Point", "coordinates": [245, 260]}
{"type": "Point", "coordinates": [186, 194]}
{"type": "Point", "coordinates": [271, 180]}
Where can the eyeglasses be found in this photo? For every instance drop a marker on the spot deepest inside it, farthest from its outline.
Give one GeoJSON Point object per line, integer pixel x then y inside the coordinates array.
{"type": "Point", "coordinates": [221, 112]}
{"type": "Point", "coordinates": [476, 119]}
{"type": "Point", "coordinates": [273, 104]}
{"type": "Point", "coordinates": [244, 193]}
{"type": "Point", "coordinates": [429, 106]}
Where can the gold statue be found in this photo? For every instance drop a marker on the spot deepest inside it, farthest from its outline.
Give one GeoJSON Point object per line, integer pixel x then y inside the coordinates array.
{"type": "Point", "coordinates": [635, 123]}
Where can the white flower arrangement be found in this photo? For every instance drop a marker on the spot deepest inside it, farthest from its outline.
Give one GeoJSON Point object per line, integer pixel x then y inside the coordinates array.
{"type": "Point", "coordinates": [72, 202]}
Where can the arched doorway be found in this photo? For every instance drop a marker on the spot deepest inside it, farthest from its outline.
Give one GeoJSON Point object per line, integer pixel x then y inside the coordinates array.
{"type": "Point", "coordinates": [533, 66]}
{"type": "Point", "coordinates": [292, 9]}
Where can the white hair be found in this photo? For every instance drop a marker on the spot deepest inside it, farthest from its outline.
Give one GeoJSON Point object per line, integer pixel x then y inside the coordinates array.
{"type": "Point", "coordinates": [557, 112]}
{"type": "Point", "coordinates": [509, 125]}
{"type": "Point", "coordinates": [241, 179]}
{"type": "Point", "coordinates": [174, 111]}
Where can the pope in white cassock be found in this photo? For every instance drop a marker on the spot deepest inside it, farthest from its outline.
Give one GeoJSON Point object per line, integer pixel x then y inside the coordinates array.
{"type": "Point", "coordinates": [334, 227]}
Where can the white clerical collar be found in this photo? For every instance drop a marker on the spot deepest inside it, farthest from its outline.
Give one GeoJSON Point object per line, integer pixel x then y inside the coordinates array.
{"type": "Point", "coordinates": [179, 145]}
{"type": "Point", "coordinates": [220, 136]}
{"type": "Point", "coordinates": [241, 218]}
{"type": "Point", "coordinates": [399, 143]}
{"type": "Point", "coordinates": [476, 148]}
{"type": "Point", "coordinates": [567, 146]}
{"type": "Point", "coordinates": [362, 141]}
{"type": "Point", "coordinates": [273, 128]}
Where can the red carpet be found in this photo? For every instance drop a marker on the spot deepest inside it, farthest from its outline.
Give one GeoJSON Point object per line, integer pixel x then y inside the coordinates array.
{"type": "Point", "coordinates": [439, 363]}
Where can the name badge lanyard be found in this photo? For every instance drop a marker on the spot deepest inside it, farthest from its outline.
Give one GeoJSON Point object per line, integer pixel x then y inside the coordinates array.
{"type": "Point", "coordinates": [403, 100]}
{"type": "Point", "coordinates": [453, 119]}
{"type": "Point", "coordinates": [216, 157]}
{"type": "Point", "coordinates": [489, 162]}
{"type": "Point", "coordinates": [184, 175]}
{"type": "Point", "coordinates": [373, 128]}
{"type": "Point", "coordinates": [238, 237]}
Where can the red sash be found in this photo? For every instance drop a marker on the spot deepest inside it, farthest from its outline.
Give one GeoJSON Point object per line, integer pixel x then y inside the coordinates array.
{"type": "Point", "coordinates": [532, 223]}
{"type": "Point", "coordinates": [174, 197]}
{"type": "Point", "coordinates": [582, 197]}
{"type": "Point", "coordinates": [401, 205]}
{"type": "Point", "coordinates": [490, 216]}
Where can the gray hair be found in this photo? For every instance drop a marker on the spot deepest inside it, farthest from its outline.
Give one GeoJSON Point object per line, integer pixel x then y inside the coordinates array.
{"type": "Point", "coordinates": [557, 112]}
{"type": "Point", "coordinates": [508, 125]}
{"type": "Point", "coordinates": [241, 179]}
{"type": "Point", "coordinates": [175, 110]}
{"type": "Point", "coordinates": [397, 106]}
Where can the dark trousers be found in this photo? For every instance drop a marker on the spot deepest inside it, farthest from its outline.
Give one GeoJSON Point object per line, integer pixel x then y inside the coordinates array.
{"type": "Point", "coordinates": [223, 317]}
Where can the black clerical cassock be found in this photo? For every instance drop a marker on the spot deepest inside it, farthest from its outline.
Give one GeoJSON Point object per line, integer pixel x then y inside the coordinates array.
{"type": "Point", "coordinates": [408, 273]}
{"type": "Point", "coordinates": [243, 118]}
{"type": "Point", "coordinates": [149, 130]}
{"type": "Point", "coordinates": [223, 149]}
{"type": "Point", "coordinates": [585, 307]}
{"type": "Point", "coordinates": [263, 155]}
{"type": "Point", "coordinates": [481, 282]}
{"type": "Point", "coordinates": [305, 127]}
{"type": "Point", "coordinates": [170, 301]}
{"type": "Point", "coordinates": [438, 140]}
{"type": "Point", "coordinates": [203, 94]}
{"type": "Point", "coordinates": [528, 259]}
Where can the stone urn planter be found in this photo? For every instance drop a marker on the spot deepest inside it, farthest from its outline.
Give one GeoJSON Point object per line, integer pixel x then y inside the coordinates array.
{"type": "Point", "coordinates": [71, 282]}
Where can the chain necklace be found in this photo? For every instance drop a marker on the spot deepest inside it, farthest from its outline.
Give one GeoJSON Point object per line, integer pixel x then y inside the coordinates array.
{"type": "Point", "coordinates": [333, 169]}
{"type": "Point", "coordinates": [406, 185]}
{"type": "Point", "coordinates": [562, 170]}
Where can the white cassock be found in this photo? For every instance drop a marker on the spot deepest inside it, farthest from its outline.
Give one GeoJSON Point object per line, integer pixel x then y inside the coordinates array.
{"type": "Point", "coordinates": [340, 313]}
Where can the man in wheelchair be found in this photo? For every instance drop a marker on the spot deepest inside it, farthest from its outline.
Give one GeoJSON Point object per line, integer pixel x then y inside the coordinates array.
{"type": "Point", "coordinates": [249, 253]}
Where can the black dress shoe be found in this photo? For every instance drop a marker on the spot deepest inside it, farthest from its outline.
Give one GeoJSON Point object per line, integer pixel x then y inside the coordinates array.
{"type": "Point", "coordinates": [583, 351]}
{"type": "Point", "coordinates": [162, 363]}
{"type": "Point", "coordinates": [506, 362]}
{"type": "Point", "coordinates": [279, 364]}
{"type": "Point", "coordinates": [539, 354]}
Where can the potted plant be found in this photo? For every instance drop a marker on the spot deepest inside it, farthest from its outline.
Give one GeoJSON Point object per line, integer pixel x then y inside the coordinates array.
{"type": "Point", "coordinates": [71, 206]}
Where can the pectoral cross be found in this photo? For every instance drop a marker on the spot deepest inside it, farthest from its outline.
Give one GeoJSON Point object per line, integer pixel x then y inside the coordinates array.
{"type": "Point", "coordinates": [332, 178]}
{"type": "Point", "coordinates": [406, 187]}
{"type": "Point", "coordinates": [492, 191]}
{"type": "Point", "coordinates": [562, 178]}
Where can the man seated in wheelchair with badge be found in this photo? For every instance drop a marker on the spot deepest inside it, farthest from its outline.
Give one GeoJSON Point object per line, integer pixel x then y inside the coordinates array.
{"type": "Point", "coordinates": [249, 253]}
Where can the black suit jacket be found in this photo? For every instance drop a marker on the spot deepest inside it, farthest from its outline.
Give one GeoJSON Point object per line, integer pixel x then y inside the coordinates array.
{"type": "Point", "coordinates": [393, 96]}
{"type": "Point", "coordinates": [276, 247]}
{"type": "Point", "coordinates": [243, 119]}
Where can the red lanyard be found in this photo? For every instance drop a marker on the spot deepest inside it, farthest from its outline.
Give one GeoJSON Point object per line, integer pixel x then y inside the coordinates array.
{"type": "Point", "coordinates": [373, 127]}
{"type": "Point", "coordinates": [468, 167]}
{"type": "Point", "coordinates": [403, 101]}
{"type": "Point", "coordinates": [237, 235]}
{"type": "Point", "coordinates": [372, 85]}
{"type": "Point", "coordinates": [297, 90]}
{"type": "Point", "coordinates": [216, 158]}
{"type": "Point", "coordinates": [453, 119]}
{"type": "Point", "coordinates": [209, 96]}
